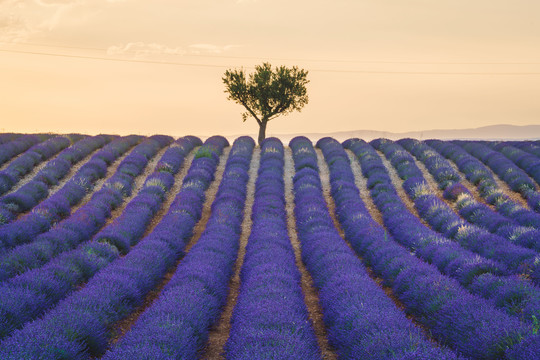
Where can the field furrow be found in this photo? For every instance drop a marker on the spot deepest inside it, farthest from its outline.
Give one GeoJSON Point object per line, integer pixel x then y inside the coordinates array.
{"type": "Point", "coordinates": [50, 177]}
{"type": "Point", "coordinates": [311, 295]}
{"type": "Point", "coordinates": [219, 333]}
{"type": "Point", "coordinates": [142, 247]}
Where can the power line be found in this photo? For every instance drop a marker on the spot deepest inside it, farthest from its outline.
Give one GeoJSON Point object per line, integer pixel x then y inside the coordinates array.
{"type": "Point", "coordinates": [226, 66]}
{"type": "Point", "coordinates": [298, 59]}
{"type": "Point", "coordinates": [110, 59]}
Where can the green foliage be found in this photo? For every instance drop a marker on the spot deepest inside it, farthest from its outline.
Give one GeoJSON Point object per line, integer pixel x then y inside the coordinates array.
{"type": "Point", "coordinates": [536, 325]}
{"type": "Point", "coordinates": [204, 152]}
{"type": "Point", "coordinates": [267, 93]}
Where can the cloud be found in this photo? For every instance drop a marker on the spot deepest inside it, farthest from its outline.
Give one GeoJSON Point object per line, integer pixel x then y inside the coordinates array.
{"type": "Point", "coordinates": [210, 48]}
{"type": "Point", "coordinates": [141, 49]}
{"type": "Point", "coordinates": [13, 26]}
{"type": "Point", "coordinates": [58, 2]}
{"type": "Point", "coordinates": [21, 19]}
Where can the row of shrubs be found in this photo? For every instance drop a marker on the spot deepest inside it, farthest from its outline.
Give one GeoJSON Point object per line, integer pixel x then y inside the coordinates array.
{"type": "Point", "coordinates": [456, 318]}
{"type": "Point", "coordinates": [361, 320]}
{"type": "Point", "coordinates": [58, 206]}
{"type": "Point", "coordinates": [37, 189]}
{"type": "Point", "coordinates": [30, 294]}
{"type": "Point", "coordinates": [176, 325]}
{"type": "Point", "coordinates": [79, 326]}
{"type": "Point", "coordinates": [37, 148]}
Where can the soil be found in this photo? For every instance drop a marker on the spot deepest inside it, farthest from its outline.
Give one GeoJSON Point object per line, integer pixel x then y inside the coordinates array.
{"type": "Point", "coordinates": [122, 327]}
{"type": "Point", "coordinates": [138, 183]}
{"type": "Point", "coordinates": [219, 333]}
{"type": "Point", "coordinates": [311, 295]}
{"type": "Point", "coordinates": [397, 182]}
{"type": "Point", "coordinates": [111, 169]}
{"type": "Point", "coordinates": [325, 180]}
{"type": "Point", "coordinates": [361, 184]}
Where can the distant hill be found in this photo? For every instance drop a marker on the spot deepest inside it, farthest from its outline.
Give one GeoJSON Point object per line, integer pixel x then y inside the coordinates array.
{"type": "Point", "coordinates": [493, 132]}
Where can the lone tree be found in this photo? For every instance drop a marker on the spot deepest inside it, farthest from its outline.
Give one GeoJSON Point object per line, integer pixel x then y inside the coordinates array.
{"type": "Point", "coordinates": [267, 93]}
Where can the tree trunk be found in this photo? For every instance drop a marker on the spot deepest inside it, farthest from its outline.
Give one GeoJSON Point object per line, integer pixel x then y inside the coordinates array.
{"type": "Point", "coordinates": [262, 131]}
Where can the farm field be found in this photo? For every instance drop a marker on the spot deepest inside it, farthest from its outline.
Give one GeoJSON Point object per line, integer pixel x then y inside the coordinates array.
{"type": "Point", "coordinates": [135, 247]}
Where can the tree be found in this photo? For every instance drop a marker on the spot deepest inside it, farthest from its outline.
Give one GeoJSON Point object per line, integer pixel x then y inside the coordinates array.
{"type": "Point", "coordinates": [267, 94]}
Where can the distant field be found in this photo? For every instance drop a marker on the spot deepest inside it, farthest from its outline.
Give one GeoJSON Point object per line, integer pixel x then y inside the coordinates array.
{"type": "Point", "coordinates": [141, 247]}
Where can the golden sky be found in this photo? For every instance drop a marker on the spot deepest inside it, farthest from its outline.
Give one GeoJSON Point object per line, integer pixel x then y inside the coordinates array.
{"type": "Point", "coordinates": [140, 66]}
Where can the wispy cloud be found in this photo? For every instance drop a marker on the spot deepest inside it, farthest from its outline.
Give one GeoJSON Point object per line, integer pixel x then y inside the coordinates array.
{"type": "Point", "coordinates": [141, 49]}
{"type": "Point", "coordinates": [20, 19]}
{"type": "Point", "coordinates": [210, 48]}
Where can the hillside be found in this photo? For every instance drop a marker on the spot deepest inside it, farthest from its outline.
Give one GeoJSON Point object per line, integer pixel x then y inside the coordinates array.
{"type": "Point", "coordinates": [134, 247]}
{"type": "Point", "coordinates": [493, 132]}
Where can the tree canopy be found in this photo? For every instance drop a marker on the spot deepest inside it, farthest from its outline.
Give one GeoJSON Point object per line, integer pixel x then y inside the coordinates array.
{"type": "Point", "coordinates": [267, 93]}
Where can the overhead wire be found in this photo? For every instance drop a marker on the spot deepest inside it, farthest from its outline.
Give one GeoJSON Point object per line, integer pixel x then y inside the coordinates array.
{"type": "Point", "coordinates": [175, 63]}
{"type": "Point", "coordinates": [296, 59]}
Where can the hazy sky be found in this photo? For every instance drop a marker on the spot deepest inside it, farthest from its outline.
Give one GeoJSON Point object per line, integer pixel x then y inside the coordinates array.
{"type": "Point", "coordinates": [391, 65]}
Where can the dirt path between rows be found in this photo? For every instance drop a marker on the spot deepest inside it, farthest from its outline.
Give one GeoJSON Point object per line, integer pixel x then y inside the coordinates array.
{"type": "Point", "coordinates": [30, 176]}
{"type": "Point", "coordinates": [122, 327]}
{"type": "Point", "coordinates": [13, 158]}
{"type": "Point", "coordinates": [311, 295]}
{"type": "Point", "coordinates": [138, 183]}
{"type": "Point", "coordinates": [514, 196]}
{"type": "Point", "coordinates": [361, 184]}
{"type": "Point", "coordinates": [219, 333]}
{"type": "Point", "coordinates": [111, 170]}
{"type": "Point", "coordinates": [325, 181]}
{"type": "Point", "coordinates": [397, 183]}
{"type": "Point", "coordinates": [9, 161]}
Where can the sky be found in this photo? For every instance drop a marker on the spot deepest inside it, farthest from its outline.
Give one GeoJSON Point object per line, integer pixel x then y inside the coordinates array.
{"type": "Point", "coordinates": [147, 67]}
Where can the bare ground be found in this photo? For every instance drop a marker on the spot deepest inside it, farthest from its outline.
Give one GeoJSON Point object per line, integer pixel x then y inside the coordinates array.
{"type": "Point", "coordinates": [111, 169]}
{"type": "Point", "coordinates": [122, 327]}
{"type": "Point", "coordinates": [60, 184]}
{"type": "Point", "coordinates": [29, 176]}
{"type": "Point", "coordinates": [325, 180]}
{"type": "Point", "coordinates": [138, 183]}
{"type": "Point", "coordinates": [6, 164]}
{"type": "Point", "coordinates": [361, 184]}
{"type": "Point", "coordinates": [311, 295]}
{"type": "Point", "coordinates": [219, 333]}
{"type": "Point", "coordinates": [514, 196]}
{"type": "Point", "coordinates": [397, 182]}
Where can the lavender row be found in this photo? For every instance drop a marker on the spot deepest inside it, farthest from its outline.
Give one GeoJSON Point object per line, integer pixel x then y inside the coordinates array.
{"type": "Point", "coordinates": [528, 162]}
{"type": "Point", "coordinates": [79, 326]}
{"type": "Point", "coordinates": [12, 147]}
{"type": "Point", "coordinates": [478, 174]}
{"type": "Point", "coordinates": [469, 269]}
{"type": "Point", "coordinates": [176, 325]}
{"type": "Point", "coordinates": [44, 287]}
{"type": "Point", "coordinates": [7, 137]}
{"type": "Point", "coordinates": [448, 256]}
{"type": "Point", "coordinates": [467, 323]}
{"type": "Point", "coordinates": [509, 172]}
{"type": "Point", "coordinates": [444, 220]}
{"type": "Point", "coordinates": [92, 216]}
{"type": "Point", "coordinates": [30, 194]}
{"type": "Point", "coordinates": [58, 206]}
{"type": "Point", "coordinates": [37, 153]}
{"type": "Point", "coordinates": [362, 322]}
{"type": "Point", "coordinates": [270, 320]}
{"type": "Point", "coordinates": [129, 227]}
{"type": "Point", "coordinates": [507, 222]}
{"type": "Point", "coordinates": [528, 146]}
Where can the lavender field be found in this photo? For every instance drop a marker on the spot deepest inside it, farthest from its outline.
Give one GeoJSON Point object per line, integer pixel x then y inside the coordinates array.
{"type": "Point", "coordinates": [134, 247]}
